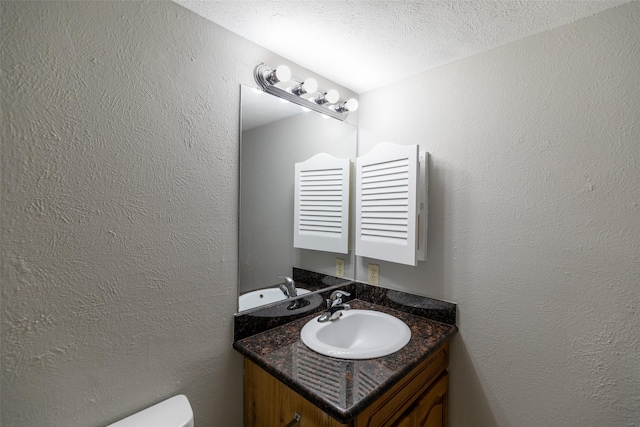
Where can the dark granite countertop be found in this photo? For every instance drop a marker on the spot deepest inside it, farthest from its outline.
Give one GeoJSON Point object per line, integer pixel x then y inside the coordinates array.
{"type": "Point", "coordinates": [344, 388]}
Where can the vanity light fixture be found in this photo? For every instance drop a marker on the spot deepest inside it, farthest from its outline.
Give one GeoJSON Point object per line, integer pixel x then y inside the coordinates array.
{"type": "Point", "coordinates": [277, 81]}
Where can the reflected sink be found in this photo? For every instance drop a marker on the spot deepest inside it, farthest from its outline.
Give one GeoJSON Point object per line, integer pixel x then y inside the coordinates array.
{"type": "Point", "coordinates": [357, 334]}
{"type": "Point", "coordinates": [262, 297]}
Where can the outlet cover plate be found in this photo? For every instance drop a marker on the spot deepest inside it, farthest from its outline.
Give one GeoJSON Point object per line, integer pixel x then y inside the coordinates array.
{"type": "Point", "coordinates": [374, 274]}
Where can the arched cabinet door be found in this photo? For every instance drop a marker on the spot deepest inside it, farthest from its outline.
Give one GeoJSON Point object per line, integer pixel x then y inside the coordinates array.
{"type": "Point", "coordinates": [321, 216]}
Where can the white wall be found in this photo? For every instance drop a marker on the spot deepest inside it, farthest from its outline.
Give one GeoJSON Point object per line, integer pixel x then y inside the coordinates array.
{"type": "Point", "coordinates": [534, 220]}
{"type": "Point", "coordinates": [119, 211]}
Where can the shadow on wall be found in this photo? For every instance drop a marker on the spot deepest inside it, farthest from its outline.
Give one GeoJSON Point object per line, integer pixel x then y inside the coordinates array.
{"type": "Point", "coordinates": [223, 371]}
{"type": "Point", "coordinates": [199, 380]}
{"type": "Point", "coordinates": [426, 278]}
{"type": "Point", "coordinates": [465, 391]}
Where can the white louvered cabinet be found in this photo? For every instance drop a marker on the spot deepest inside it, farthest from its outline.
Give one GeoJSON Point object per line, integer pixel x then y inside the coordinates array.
{"type": "Point", "coordinates": [321, 216]}
{"type": "Point", "coordinates": [391, 204]}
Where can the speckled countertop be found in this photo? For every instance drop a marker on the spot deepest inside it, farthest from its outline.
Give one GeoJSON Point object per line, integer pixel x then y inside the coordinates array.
{"type": "Point", "coordinates": [346, 387]}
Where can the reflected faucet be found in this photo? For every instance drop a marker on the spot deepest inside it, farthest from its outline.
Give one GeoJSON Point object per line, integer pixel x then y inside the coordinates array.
{"type": "Point", "coordinates": [288, 288]}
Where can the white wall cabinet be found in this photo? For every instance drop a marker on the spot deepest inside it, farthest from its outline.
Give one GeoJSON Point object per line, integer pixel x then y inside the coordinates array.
{"type": "Point", "coordinates": [322, 191]}
{"type": "Point", "coordinates": [391, 204]}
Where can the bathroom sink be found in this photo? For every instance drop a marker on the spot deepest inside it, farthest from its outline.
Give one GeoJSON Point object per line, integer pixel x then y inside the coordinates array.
{"type": "Point", "coordinates": [357, 334]}
{"type": "Point", "coordinates": [262, 297]}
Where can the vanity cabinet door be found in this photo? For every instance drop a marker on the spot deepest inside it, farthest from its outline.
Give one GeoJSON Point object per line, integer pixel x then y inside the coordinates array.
{"type": "Point", "coordinates": [407, 420]}
{"type": "Point", "coordinates": [270, 403]}
{"type": "Point", "coordinates": [430, 410]}
{"type": "Point", "coordinates": [396, 407]}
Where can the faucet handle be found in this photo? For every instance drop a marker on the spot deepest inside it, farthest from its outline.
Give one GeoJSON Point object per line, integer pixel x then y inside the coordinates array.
{"type": "Point", "coordinates": [336, 298]}
{"type": "Point", "coordinates": [339, 294]}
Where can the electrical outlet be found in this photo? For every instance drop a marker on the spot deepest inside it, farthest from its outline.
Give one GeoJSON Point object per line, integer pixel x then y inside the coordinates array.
{"type": "Point", "coordinates": [374, 274]}
{"type": "Point", "coordinates": [339, 267]}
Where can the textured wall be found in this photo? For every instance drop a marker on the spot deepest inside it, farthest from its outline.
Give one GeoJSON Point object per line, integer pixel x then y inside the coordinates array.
{"type": "Point", "coordinates": [119, 211]}
{"type": "Point", "coordinates": [534, 220]}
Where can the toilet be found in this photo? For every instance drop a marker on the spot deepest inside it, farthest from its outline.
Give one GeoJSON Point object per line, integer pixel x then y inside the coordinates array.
{"type": "Point", "coordinates": [173, 412]}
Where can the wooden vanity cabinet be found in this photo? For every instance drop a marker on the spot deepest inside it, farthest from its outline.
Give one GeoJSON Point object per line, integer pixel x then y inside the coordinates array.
{"type": "Point", "coordinates": [430, 409]}
{"type": "Point", "coordinates": [418, 399]}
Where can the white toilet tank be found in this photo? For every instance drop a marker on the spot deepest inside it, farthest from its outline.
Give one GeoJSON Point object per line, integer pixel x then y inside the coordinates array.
{"type": "Point", "coordinates": [173, 412]}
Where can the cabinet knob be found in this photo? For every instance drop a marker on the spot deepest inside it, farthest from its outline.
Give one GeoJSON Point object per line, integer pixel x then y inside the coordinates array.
{"type": "Point", "coordinates": [295, 422]}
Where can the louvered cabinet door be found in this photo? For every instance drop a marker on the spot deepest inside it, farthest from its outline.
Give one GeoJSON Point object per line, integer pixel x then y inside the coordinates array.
{"type": "Point", "coordinates": [321, 217]}
{"type": "Point", "coordinates": [386, 201]}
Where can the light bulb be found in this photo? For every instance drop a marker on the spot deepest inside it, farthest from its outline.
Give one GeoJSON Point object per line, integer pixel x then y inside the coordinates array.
{"type": "Point", "coordinates": [310, 85]}
{"type": "Point", "coordinates": [345, 107]}
{"type": "Point", "coordinates": [332, 96]}
{"type": "Point", "coordinates": [281, 74]}
{"type": "Point", "coordinates": [351, 104]}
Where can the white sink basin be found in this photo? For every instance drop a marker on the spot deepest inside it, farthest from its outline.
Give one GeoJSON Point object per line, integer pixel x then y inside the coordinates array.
{"type": "Point", "coordinates": [262, 297]}
{"type": "Point", "coordinates": [357, 334]}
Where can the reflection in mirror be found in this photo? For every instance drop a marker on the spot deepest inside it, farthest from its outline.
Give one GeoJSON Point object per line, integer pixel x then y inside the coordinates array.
{"type": "Point", "coordinates": [276, 134]}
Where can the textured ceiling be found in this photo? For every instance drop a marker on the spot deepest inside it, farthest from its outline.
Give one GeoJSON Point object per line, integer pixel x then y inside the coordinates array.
{"type": "Point", "coordinates": [367, 44]}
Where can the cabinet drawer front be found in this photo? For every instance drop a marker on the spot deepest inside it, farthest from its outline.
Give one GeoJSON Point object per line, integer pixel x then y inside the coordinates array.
{"type": "Point", "coordinates": [396, 401]}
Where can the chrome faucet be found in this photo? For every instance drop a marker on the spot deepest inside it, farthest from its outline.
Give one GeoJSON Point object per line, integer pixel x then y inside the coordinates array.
{"type": "Point", "coordinates": [288, 288]}
{"type": "Point", "coordinates": [335, 306]}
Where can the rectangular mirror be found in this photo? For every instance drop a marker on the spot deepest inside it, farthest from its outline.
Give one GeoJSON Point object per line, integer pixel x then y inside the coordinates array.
{"type": "Point", "coordinates": [275, 135]}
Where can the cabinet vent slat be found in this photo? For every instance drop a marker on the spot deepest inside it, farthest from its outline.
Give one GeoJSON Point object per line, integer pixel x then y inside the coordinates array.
{"type": "Point", "coordinates": [385, 195]}
{"type": "Point", "coordinates": [311, 174]}
{"type": "Point", "coordinates": [374, 211]}
{"type": "Point", "coordinates": [376, 168]}
{"type": "Point", "coordinates": [374, 185]}
{"type": "Point", "coordinates": [321, 216]}
{"type": "Point", "coordinates": [372, 221]}
{"type": "Point", "coordinates": [321, 205]}
{"type": "Point", "coordinates": [370, 228]}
